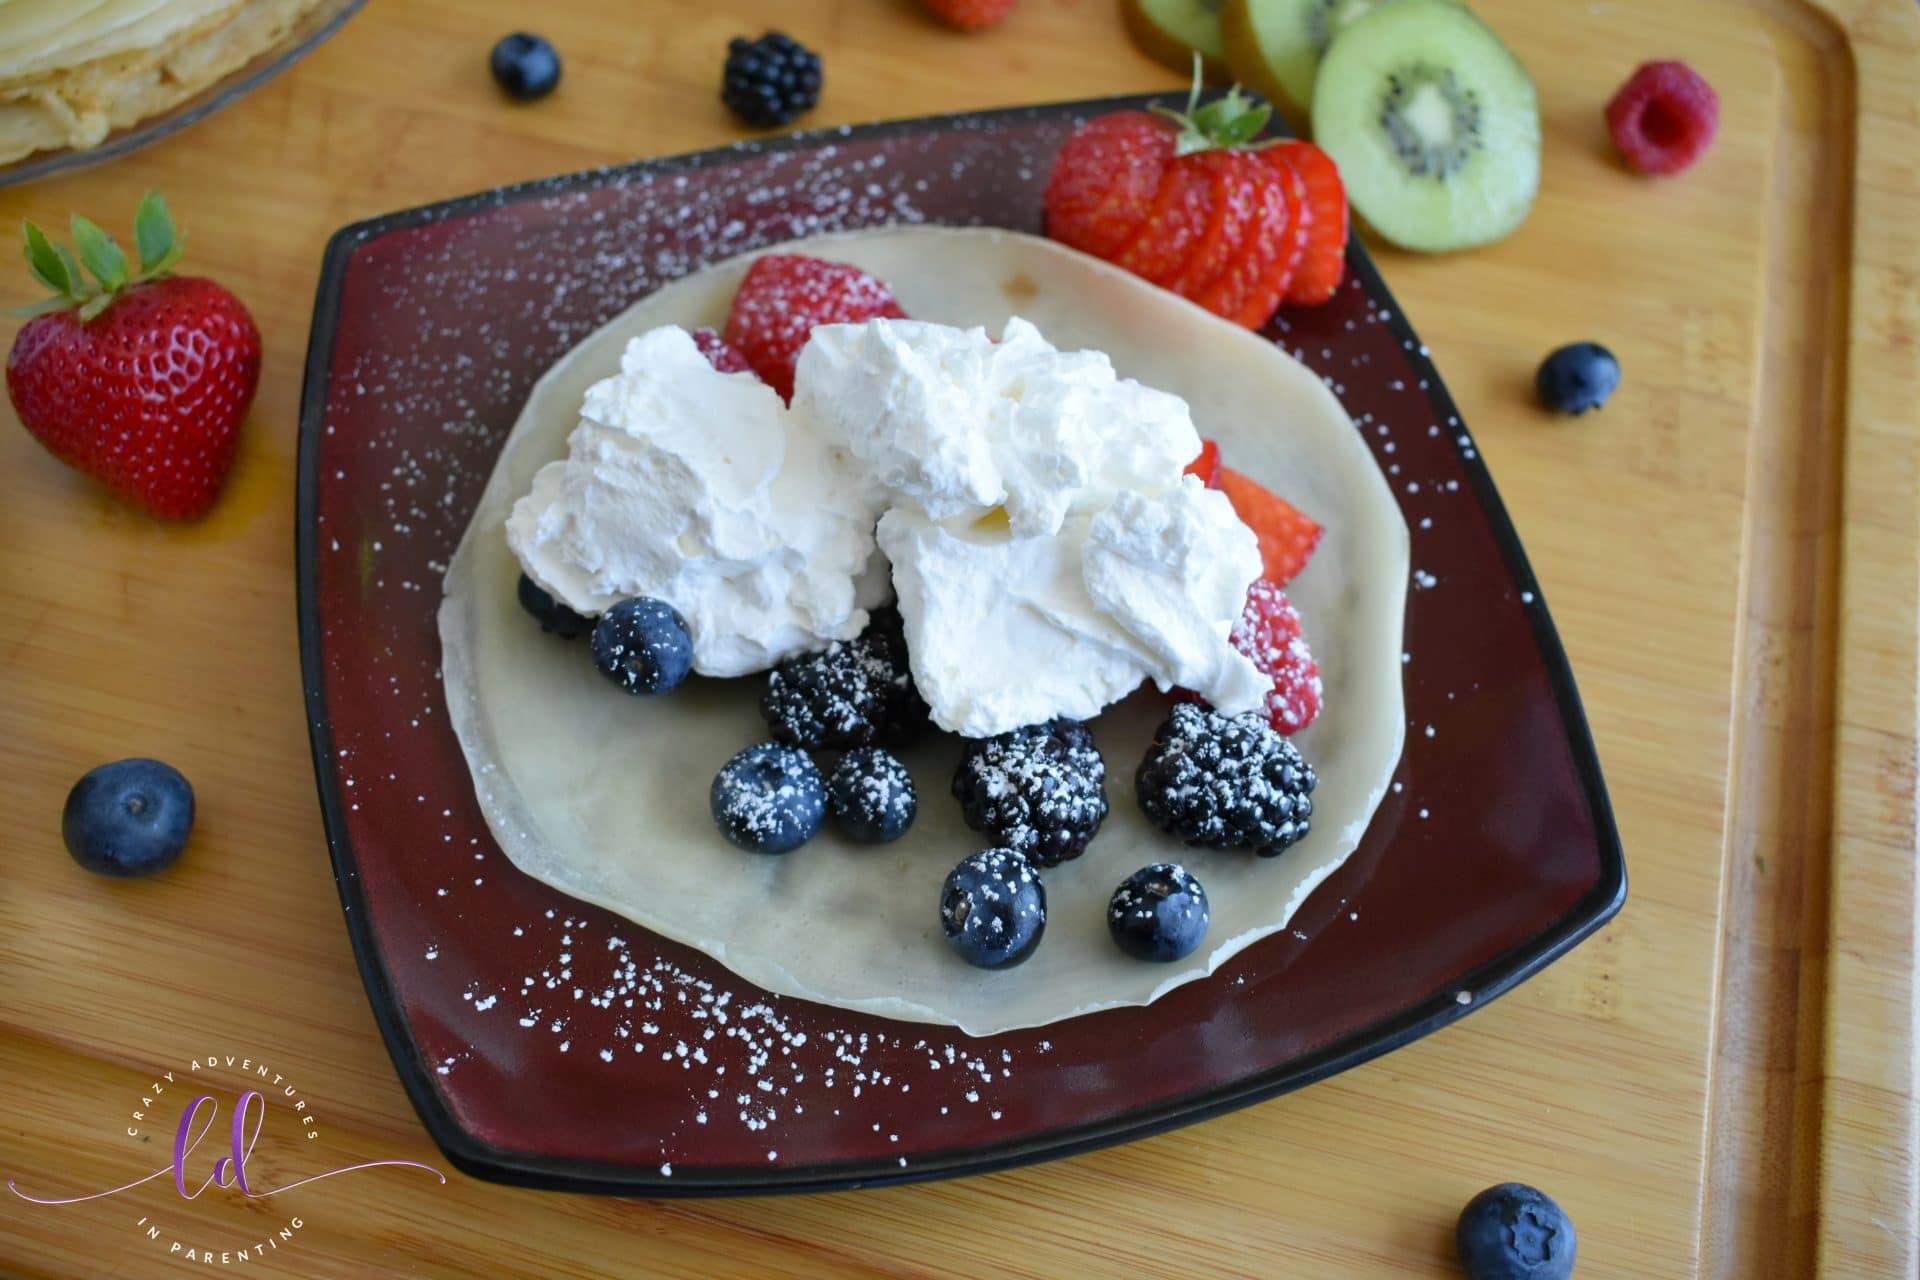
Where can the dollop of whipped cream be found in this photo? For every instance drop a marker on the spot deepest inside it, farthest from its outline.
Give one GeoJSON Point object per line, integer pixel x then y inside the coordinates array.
{"type": "Point", "coordinates": [701, 489]}
{"type": "Point", "coordinates": [1048, 552]}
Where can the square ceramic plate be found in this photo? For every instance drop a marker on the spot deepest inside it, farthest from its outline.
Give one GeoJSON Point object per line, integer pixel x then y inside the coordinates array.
{"type": "Point", "coordinates": [550, 1043]}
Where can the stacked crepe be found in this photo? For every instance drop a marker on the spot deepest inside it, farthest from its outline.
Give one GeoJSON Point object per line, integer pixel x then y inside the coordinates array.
{"type": "Point", "coordinates": [73, 71]}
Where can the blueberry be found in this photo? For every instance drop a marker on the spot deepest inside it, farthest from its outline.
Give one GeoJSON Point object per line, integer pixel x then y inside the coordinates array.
{"type": "Point", "coordinates": [1158, 913]}
{"type": "Point", "coordinates": [871, 794]}
{"type": "Point", "coordinates": [1513, 1232]}
{"type": "Point", "coordinates": [128, 818]}
{"type": "Point", "coordinates": [769, 798]}
{"type": "Point", "coordinates": [552, 616]}
{"type": "Point", "coordinates": [642, 645]}
{"type": "Point", "coordinates": [1577, 378]}
{"type": "Point", "coordinates": [993, 909]}
{"type": "Point", "coordinates": [526, 66]}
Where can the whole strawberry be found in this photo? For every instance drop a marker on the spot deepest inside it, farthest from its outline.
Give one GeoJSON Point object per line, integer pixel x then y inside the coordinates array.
{"type": "Point", "coordinates": [138, 378]}
{"type": "Point", "coordinates": [968, 15]}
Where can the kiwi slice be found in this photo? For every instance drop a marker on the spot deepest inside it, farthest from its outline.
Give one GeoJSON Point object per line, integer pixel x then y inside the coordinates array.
{"type": "Point", "coordinates": [1172, 31]}
{"type": "Point", "coordinates": [1433, 123]}
{"type": "Point", "coordinates": [1275, 46]}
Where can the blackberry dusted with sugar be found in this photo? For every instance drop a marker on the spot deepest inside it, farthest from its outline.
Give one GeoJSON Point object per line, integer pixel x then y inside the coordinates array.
{"type": "Point", "coordinates": [854, 693]}
{"type": "Point", "coordinates": [1225, 782]}
{"type": "Point", "coordinates": [1039, 790]}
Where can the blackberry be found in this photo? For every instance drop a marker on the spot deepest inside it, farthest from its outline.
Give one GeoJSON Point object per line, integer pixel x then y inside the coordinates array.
{"type": "Point", "coordinates": [855, 693]}
{"type": "Point", "coordinates": [1226, 782]}
{"type": "Point", "coordinates": [770, 81]}
{"type": "Point", "coordinates": [554, 618]}
{"type": "Point", "coordinates": [1039, 790]}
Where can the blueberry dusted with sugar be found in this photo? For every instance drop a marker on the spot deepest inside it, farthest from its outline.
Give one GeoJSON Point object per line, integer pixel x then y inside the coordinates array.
{"type": "Point", "coordinates": [525, 66]}
{"type": "Point", "coordinates": [854, 693]}
{"type": "Point", "coordinates": [1577, 377]}
{"type": "Point", "coordinates": [993, 909]}
{"type": "Point", "coordinates": [553, 617]}
{"type": "Point", "coordinates": [128, 818]}
{"type": "Point", "coordinates": [770, 81]}
{"type": "Point", "coordinates": [1158, 913]}
{"type": "Point", "coordinates": [1223, 782]}
{"type": "Point", "coordinates": [1514, 1232]}
{"type": "Point", "coordinates": [769, 799]}
{"type": "Point", "coordinates": [871, 795]}
{"type": "Point", "coordinates": [642, 645]}
{"type": "Point", "coordinates": [1040, 789]}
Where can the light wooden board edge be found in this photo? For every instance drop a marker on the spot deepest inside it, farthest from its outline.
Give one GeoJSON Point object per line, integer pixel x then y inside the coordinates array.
{"type": "Point", "coordinates": [1868, 1202]}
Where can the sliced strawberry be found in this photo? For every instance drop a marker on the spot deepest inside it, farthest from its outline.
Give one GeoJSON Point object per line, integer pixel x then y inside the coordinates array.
{"type": "Point", "coordinates": [721, 356]}
{"type": "Point", "coordinates": [1269, 632]}
{"type": "Point", "coordinates": [1287, 537]}
{"type": "Point", "coordinates": [1233, 199]}
{"type": "Point", "coordinates": [1250, 286]}
{"type": "Point", "coordinates": [1207, 465]}
{"type": "Point", "coordinates": [1105, 179]}
{"type": "Point", "coordinates": [1175, 227]}
{"type": "Point", "coordinates": [784, 295]}
{"type": "Point", "coordinates": [1324, 264]}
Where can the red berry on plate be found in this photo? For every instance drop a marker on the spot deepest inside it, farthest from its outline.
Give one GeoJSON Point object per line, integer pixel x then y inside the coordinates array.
{"type": "Point", "coordinates": [784, 295]}
{"type": "Point", "coordinates": [1184, 200]}
{"type": "Point", "coordinates": [1287, 537]}
{"type": "Point", "coordinates": [1105, 179]}
{"type": "Point", "coordinates": [1663, 117]}
{"type": "Point", "coordinates": [1250, 288]}
{"type": "Point", "coordinates": [1323, 264]}
{"type": "Point", "coordinates": [1182, 214]}
{"type": "Point", "coordinates": [1269, 632]}
{"type": "Point", "coordinates": [137, 377]}
{"type": "Point", "coordinates": [1207, 465]}
{"type": "Point", "coordinates": [968, 15]}
{"type": "Point", "coordinates": [721, 356]}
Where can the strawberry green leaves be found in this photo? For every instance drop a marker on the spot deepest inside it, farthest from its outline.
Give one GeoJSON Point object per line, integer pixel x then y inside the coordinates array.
{"type": "Point", "coordinates": [156, 239]}
{"type": "Point", "coordinates": [1231, 122]}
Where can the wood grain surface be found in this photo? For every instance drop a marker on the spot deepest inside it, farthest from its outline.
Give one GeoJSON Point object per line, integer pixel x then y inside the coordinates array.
{"type": "Point", "coordinates": [1721, 1083]}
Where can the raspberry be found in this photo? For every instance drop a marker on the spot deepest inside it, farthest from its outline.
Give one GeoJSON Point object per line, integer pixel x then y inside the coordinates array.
{"type": "Point", "coordinates": [718, 353]}
{"type": "Point", "coordinates": [1269, 632]}
{"type": "Point", "coordinates": [784, 295]}
{"type": "Point", "coordinates": [1663, 118]}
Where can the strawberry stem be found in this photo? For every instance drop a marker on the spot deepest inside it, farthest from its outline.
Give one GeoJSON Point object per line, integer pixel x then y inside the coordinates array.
{"type": "Point", "coordinates": [159, 242]}
{"type": "Point", "coordinates": [1231, 122]}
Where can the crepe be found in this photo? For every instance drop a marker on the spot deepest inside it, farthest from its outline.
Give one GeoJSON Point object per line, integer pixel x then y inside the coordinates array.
{"type": "Point", "coordinates": [604, 796]}
{"type": "Point", "coordinates": [72, 71]}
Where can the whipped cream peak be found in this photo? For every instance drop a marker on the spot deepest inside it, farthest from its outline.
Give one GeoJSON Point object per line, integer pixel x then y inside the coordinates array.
{"type": "Point", "coordinates": [958, 424]}
{"type": "Point", "coordinates": [699, 488]}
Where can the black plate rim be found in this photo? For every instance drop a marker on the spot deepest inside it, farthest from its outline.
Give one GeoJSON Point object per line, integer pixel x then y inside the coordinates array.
{"type": "Point", "coordinates": [483, 1160]}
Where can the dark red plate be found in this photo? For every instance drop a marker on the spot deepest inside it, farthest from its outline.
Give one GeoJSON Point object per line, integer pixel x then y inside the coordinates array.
{"type": "Point", "coordinates": [550, 1043]}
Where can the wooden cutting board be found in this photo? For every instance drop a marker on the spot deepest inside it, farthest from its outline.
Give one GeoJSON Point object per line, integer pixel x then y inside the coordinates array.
{"type": "Point", "coordinates": [1720, 1084]}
